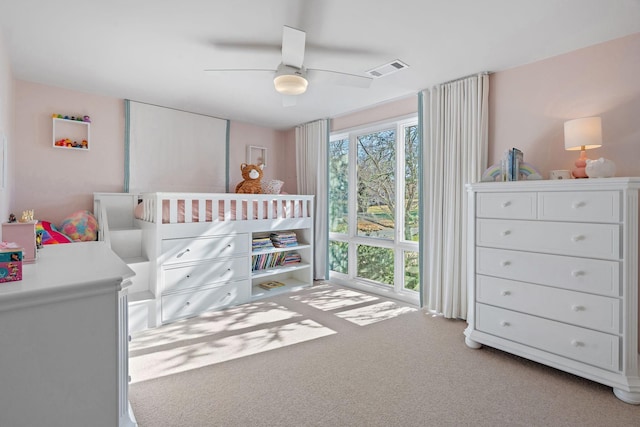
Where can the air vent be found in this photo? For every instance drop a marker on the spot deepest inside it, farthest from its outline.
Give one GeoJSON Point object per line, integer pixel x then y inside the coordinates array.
{"type": "Point", "coordinates": [386, 69]}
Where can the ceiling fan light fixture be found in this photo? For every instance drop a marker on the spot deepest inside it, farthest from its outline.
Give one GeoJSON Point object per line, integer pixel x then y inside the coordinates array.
{"type": "Point", "coordinates": [290, 80]}
{"type": "Point", "coordinates": [290, 84]}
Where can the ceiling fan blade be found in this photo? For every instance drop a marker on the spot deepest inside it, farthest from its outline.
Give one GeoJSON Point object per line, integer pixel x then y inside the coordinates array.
{"type": "Point", "coordinates": [293, 41]}
{"type": "Point", "coordinates": [240, 69]}
{"type": "Point", "coordinates": [336, 77]}
{"type": "Point", "coordinates": [246, 45]}
{"type": "Point", "coordinates": [289, 100]}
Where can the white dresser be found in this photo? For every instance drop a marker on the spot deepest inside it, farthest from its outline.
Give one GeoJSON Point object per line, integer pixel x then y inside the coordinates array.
{"type": "Point", "coordinates": [553, 275]}
{"type": "Point", "coordinates": [63, 331]}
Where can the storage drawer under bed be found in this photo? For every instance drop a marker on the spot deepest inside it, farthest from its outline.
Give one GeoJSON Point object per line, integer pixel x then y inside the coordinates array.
{"type": "Point", "coordinates": [194, 249]}
{"type": "Point", "coordinates": [188, 304]}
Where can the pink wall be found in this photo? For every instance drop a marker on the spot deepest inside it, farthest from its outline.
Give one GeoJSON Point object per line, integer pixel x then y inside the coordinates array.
{"type": "Point", "coordinates": [56, 182]}
{"type": "Point", "coordinates": [6, 126]}
{"type": "Point", "coordinates": [391, 109]}
{"type": "Point", "coordinates": [529, 105]}
{"type": "Point", "coordinates": [281, 153]}
{"type": "Point", "coordinates": [53, 181]}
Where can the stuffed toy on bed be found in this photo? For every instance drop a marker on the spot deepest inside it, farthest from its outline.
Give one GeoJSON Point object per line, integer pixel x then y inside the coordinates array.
{"type": "Point", "coordinates": [252, 175]}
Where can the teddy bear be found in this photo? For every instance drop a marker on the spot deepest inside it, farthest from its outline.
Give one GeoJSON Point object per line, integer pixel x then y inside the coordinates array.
{"type": "Point", "coordinates": [252, 175]}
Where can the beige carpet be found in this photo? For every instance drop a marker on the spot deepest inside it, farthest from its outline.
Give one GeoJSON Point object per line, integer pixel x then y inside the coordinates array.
{"type": "Point", "coordinates": [330, 356]}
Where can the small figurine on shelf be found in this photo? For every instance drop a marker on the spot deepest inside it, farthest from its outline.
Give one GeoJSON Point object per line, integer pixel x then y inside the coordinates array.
{"type": "Point", "coordinates": [27, 216]}
{"type": "Point", "coordinates": [86, 119]}
{"type": "Point", "coordinates": [12, 218]}
{"type": "Point", "coordinates": [85, 143]}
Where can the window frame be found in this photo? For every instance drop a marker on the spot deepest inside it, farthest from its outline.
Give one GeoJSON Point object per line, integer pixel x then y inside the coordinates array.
{"type": "Point", "coordinates": [399, 244]}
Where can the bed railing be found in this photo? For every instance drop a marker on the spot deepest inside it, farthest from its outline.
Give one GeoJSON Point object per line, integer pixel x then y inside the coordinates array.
{"type": "Point", "coordinates": [189, 207]}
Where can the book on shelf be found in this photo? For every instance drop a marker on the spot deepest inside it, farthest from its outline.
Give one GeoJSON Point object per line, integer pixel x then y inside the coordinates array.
{"type": "Point", "coordinates": [271, 284]}
{"type": "Point", "coordinates": [260, 243]}
{"type": "Point", "coordinates": [284, 239]}
{"type": "Point", "coordinates": [270, 260]}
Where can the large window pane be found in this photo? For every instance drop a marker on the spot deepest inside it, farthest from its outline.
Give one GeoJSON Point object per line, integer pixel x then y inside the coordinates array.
{"type": "Point", "coordinates": [339, 257]}
{"type": "Point", "coordinates": [376, 184]}
{"type": "Point", "coordinates": [373, 207]}
{"type": "Point", "coordinates": [339, 186]}
{"type": "Point", "coordinates": [411, 191]}
{"type": "Point", "coordinates": [411, 271]}
{"type": "Point", "coordinates": [375, 264]}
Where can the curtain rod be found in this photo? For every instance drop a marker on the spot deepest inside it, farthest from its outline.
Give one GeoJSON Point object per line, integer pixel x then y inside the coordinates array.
{"type": "Point", "coordinates": [483, 73]}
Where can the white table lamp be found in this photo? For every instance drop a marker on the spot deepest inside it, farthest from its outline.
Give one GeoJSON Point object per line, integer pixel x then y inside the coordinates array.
{"type": "Point", "coordinates": [582, 134]}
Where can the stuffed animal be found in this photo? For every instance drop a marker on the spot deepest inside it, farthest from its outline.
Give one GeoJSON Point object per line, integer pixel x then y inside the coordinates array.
{"type": "Point", "coordinates": [252, 175]}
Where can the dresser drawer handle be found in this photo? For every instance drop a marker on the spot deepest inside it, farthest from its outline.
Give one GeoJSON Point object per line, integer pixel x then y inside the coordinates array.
{"type": "Point", "coordinates": [577, 238]}
{"type": "Point", "coordinates": [504, 323]}
{"type": "Point", "coordinates": [505, 293]}
{"type": "Point", "coordinates": [576, 307]}
{"type": "Point", "coordinates": [577, 205]}
{"type": "Point", "coordinates": [505, 233]}
{"type": "Point", "coordinates": [505, 263]}
{"type": "Point", "coordinates": [506, 204]}
{"type": "Point", "coordinates": [577, 273]}
{"type": "Point", "coordinates": [577, 343]}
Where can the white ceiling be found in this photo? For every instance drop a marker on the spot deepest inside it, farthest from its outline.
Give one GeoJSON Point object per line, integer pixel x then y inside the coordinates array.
{"type": "Point", "coordinates": [156, 51]}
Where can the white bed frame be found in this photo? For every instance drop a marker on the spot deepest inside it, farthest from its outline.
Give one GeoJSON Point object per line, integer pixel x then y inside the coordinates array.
{"type": "Point", "coordinates": [215, 255]}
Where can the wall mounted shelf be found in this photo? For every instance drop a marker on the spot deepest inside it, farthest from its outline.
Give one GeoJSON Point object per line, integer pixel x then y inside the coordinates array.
{"type": "Point", "coordinates": [71, 134]}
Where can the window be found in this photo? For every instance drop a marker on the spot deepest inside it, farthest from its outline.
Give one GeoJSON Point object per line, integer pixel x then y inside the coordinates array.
{"type": "Point", "coordinates": [373, 208]}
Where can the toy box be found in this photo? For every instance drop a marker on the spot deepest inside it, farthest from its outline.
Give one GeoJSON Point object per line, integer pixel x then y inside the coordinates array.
{"type": "Point", "coordinates": [10, 265]}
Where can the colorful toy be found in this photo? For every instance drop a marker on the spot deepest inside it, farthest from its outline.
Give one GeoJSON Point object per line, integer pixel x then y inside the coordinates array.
{"type": "Point", "coordinates": [80, 226]}
{"type": "Point", "coordinates": [49, 235]}
{"type": "Point", "coordinates": [252, 175]}
{"type": "Point", "coordinates": [74, 118]}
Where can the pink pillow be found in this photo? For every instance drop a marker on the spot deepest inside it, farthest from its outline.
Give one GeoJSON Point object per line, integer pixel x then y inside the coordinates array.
{"type": "Point", "coordinates": [272, 186]}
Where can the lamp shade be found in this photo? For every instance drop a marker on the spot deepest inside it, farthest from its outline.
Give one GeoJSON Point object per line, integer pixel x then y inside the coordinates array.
{"type": "Point", "coordinates": [583, 134]}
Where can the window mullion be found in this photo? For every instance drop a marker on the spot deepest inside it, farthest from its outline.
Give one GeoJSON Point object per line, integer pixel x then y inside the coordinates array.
{"type": "Point", "coordinates": [353, 214]}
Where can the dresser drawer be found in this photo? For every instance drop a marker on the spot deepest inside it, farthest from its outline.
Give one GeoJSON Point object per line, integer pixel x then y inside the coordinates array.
{"type": "Point", "coordinates": [179, 276]}
{"type": "Point", "coordinates": [579, 239]}
{"type": "Point", "coordinates": [188, 304]}
{"type": "Point", "coordinates": [580, 206]}
{"type": "Point", "coordinates": [506, 205]}
{"type": "Point", "coordinates": [184, 250]}
{"type": "Point", "coordinates": [578, 308]}
{"type": "Point", "coordinates": [581, 274]}
{"type": "Point", "coordinates": [584, 345]}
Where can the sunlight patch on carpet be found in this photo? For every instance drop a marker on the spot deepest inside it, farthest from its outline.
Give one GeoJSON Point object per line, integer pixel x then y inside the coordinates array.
{"type": "Point", "coordinates": [374, 313]}
{"type": "Point", "coordinates": [193, 356]}
{"type": "Point", "coordinates": [241, 317]}
{"type": "Point", "coordinates": [333, 299]}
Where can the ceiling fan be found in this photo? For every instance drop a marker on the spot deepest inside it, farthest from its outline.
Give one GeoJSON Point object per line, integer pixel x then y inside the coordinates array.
{"type": "Point", "coordinates": [291, 77]}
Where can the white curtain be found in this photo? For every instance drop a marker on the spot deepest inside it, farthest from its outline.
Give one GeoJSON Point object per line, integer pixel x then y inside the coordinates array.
{"type": "Point", "coordinates": [312, 140]}
{"type": "Point", "coordinates": [455, 138]}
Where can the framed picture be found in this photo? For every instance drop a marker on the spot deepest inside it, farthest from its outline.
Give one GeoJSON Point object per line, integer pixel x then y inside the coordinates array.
{"type": "Point", "coordinates": [256, 155]}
